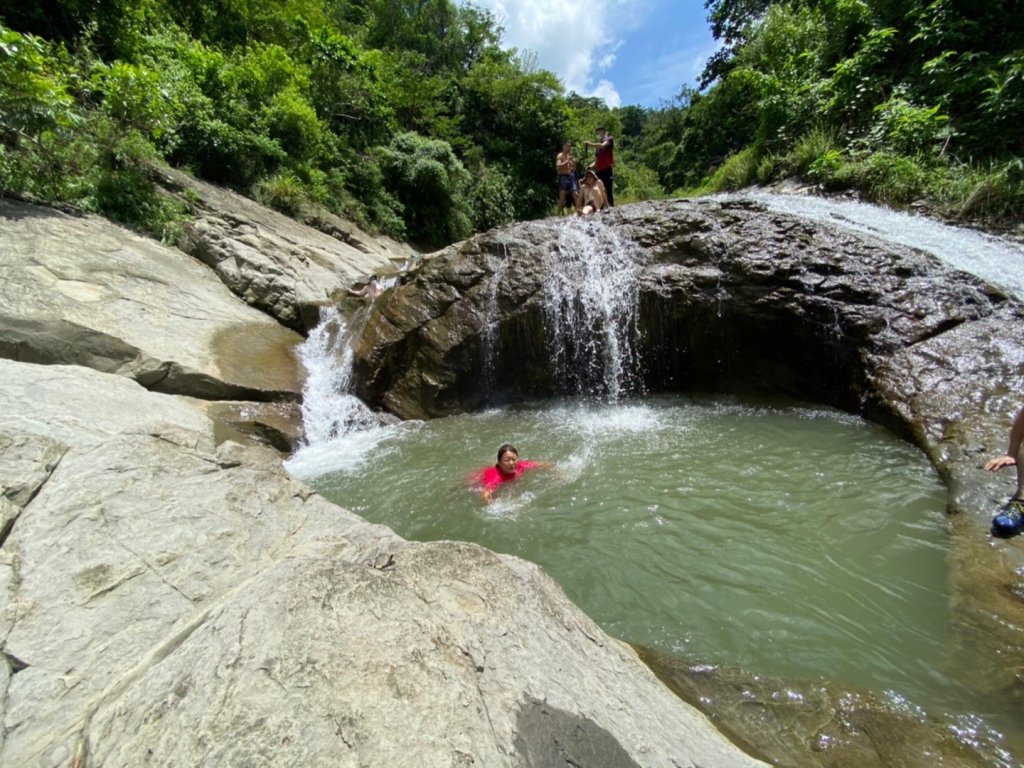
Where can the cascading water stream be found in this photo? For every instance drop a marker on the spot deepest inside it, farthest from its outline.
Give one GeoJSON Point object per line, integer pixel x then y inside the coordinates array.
{"type": "Point", "coordinates": [590, 303]}
{"type": "Point", "coordinates": [339, 427]}
{"type": "Point", "coordinates": [996, 260]}
{"type": "Point", "coordinates": [328, 407]}
{"type": "Point", "coordinates": [591, 297]}
{"type": "Point", "coordinates": [489, 334]}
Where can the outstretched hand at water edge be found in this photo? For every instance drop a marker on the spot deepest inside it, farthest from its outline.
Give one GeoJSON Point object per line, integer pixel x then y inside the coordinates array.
{"type": "Point", "coordinates": [999, 462]}
{"type": "Point", "coordinates": [1009, 520]}
{"type": "Point", "coordinates": [1013, 451]}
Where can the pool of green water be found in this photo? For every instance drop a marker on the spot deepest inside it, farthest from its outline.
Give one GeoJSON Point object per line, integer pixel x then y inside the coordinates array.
{"type": "Point", "coordinates": [785, 539]}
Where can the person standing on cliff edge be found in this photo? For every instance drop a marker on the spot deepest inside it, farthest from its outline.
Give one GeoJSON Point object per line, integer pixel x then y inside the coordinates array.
{"type": "Point", "coordinates": [1010, 519]}
{"type": "Point", "coordinates": [565, 166]}
{"type": "Point", "coordinates": [604, 161]}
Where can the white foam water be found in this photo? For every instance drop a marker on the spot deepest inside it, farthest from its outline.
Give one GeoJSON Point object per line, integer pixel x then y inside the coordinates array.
{"type": "Point", "coordinates": [591, 295]}
{"type": "Point", "coordinates": [340, 430]}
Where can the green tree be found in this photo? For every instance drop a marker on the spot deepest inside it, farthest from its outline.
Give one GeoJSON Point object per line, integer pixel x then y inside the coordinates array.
{"type": "Point", "coordinates": [518, 119]}
{"type": "Point", "coordinates": [432, 185]}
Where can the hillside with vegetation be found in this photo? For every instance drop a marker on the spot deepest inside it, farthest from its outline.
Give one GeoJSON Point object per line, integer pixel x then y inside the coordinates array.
{"type": "Point", "coordinates": [409, 118]}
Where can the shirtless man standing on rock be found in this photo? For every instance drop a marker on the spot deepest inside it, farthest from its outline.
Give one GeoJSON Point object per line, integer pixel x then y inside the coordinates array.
{"type": "Point", "coordinates": [565, 165]}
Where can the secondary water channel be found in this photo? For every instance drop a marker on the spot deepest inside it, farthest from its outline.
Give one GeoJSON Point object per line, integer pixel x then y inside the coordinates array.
{"type": "Point", "coordinates": [782, 538]}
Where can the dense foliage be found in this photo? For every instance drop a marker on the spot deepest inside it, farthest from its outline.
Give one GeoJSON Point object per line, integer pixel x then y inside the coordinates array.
{"type": "Point", "coordinates": [900, 99]}
{"type": "Point", "coordinates": [404, 115]}
{"type": "Point", "coordinates": [407, 115]}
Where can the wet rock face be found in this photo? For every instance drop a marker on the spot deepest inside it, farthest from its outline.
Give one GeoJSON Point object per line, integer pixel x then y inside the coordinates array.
{"type": "Point", "coordinates": [813, 724]}
{"type": "Point", "coordinates": [730, 298]}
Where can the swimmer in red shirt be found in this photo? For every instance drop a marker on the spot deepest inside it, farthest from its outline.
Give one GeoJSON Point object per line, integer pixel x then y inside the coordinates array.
{"type": "Point", "coordinates": [508, 468]}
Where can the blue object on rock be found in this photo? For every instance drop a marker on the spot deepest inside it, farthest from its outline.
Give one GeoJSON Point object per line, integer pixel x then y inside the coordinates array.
{"type": "Point", "coordinates": [1010, 520]}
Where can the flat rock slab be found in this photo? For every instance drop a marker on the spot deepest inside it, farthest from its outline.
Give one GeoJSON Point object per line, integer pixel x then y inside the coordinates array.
{"type": "Point", "coordinates": [172, 602]}
{"type": "Point", "coordinates": [80, 290]}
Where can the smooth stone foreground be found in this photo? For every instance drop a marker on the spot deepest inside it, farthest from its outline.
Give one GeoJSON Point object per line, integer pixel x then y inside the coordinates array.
{"type": "Point", "coordinates": [171, 602]}
{"type": "Point", "coordinates": [80, 290]}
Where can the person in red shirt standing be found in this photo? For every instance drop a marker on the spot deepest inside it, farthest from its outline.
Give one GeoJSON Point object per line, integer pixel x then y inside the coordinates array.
{"type": "Point", "coordinates": [508, 468]}
{"type": "Point", "coordinates": [604, 161]}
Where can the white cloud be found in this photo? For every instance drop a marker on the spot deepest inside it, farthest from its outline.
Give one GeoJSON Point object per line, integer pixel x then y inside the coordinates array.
{"type": "Point", "coordinates": [572, 39]}
{"type": "Point", "coordinates": [606, 90]}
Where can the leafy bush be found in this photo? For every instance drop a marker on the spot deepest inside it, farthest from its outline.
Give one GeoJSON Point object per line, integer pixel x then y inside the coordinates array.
{"type": "Point", "coordinates": [771, 168]}
{"type": "Point", "coordinates": [900, 126]}
{"type": "Point", "coordinates": [491, 197]}
{"type": "Point", "coordinates": [132, 96]}
{"type": "Point", "coordinates": [997, 193]}
{"type": "Point", "coordinates": [895, 179]}
{"type": "Point", "coordinates": [39, 121]}
{"type": "Point", "coordinates": [828, 168]}
{"type": "Point", "coordinates": [635, 182]}
{"type": "Point", "coordinates": [431, 184]}
{"type": "Point", "coordinates": [283, 192]}
{"type": "Point", "coordinates": [813, 146]}
{"type": "Point", "coordinates": [738, 171]}
{"type": "Point", "coordinates": [292, 122]}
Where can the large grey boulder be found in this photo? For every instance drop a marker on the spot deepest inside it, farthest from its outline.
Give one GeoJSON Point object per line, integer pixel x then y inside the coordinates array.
{"type": "Point", "coordinates": [170, 602]}
{"type": "Point", "coordinates": [80, 290]}
{"type": "Point", "coordinates": [729, 297]}
{"type": "Point", "coordinates": [275, 263]}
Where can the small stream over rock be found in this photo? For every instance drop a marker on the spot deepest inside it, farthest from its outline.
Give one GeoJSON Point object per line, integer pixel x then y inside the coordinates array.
{"type": "Point", "coordinates": [994, 259]}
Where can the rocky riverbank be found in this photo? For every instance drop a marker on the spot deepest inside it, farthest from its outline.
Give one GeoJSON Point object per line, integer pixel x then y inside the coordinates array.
{"type": "Point", "coordinates": [173, 597]}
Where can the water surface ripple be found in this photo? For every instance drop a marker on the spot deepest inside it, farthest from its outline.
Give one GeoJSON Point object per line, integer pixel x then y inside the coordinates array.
{"type": "Point", "coordinates": [789, 540]}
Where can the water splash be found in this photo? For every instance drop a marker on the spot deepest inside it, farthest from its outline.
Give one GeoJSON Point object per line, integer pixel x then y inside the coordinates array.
{"type": "Point", "coordinates": [591, 298]}
{"type": "Point", "coordinates": [328, 407]}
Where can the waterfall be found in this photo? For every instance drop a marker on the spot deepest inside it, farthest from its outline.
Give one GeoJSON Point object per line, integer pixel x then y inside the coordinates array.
{"type": "Point", "coordinates": [590, 303]}
{"type": "Point", "coordinates": [329, 410]}
{"type": "Point", "coordinates": [591, 298]}
{"type": "Point", "coordinates": [489, 333]}
{"type": "Point", "coordinates": [340, 430]}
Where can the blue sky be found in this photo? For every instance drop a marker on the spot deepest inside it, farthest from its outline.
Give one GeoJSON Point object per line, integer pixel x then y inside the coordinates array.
{"type": "Point", "coordinates": [625, 51]}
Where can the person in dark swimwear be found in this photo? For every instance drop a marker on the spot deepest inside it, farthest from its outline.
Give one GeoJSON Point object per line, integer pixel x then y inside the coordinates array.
{"type": "Point", "coordinates": [508, 468]}
{"type": "Point", "coordinates": [568, 186]}
{"type": "Point", "coordinates": [1010, 519]}
{"type": "Point", "coordinates": [604, 153]}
